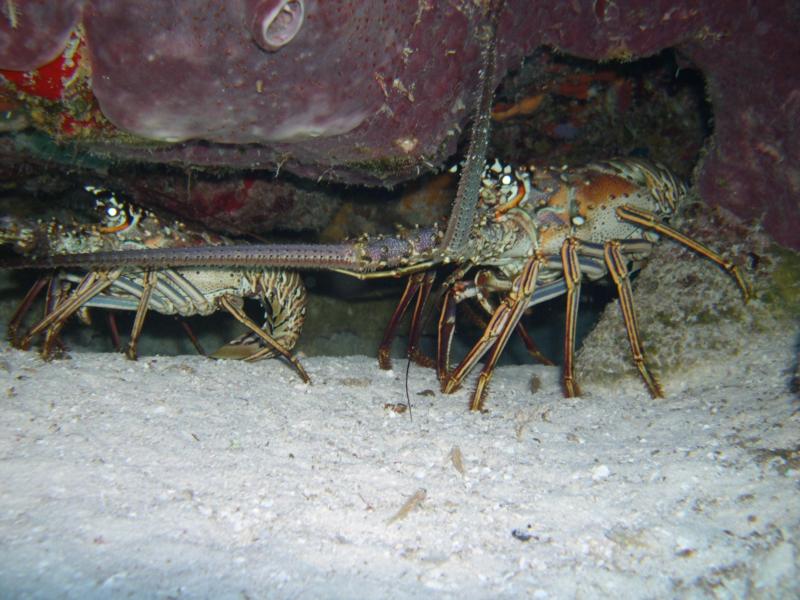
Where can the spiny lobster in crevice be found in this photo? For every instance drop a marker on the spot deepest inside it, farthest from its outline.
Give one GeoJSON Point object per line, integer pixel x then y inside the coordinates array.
{"type": "Point", "coordinates": [522, 235]}
{"type": "Point", "coordinates": [536, 234]}
{"type": "Point", "coordinates": [117, 226]}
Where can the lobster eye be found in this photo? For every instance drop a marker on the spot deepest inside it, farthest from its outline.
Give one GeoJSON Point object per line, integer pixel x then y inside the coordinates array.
{"type": "Point", "coordinates": [116, 216]}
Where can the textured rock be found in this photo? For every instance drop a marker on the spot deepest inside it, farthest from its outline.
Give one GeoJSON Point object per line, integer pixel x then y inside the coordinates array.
{"type": "Point", "coordinates": [35, 32]}
{"type": "Point", "coordinates": [368, 92]}
{"type": "Point", "coordinates": [690, 312]}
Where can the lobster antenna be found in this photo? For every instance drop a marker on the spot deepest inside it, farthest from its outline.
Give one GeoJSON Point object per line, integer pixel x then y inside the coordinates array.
{"type": "Point", "coordinates": [408, 396]}
{"type": "Point", "coordinates": [462, 213]}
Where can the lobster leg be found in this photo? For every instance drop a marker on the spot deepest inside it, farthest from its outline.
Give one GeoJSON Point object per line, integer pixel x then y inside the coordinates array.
{"type": "Point", "coordinates": [523, 289]}
{"type": "Point", "coordinates": [412, 288]}
{"type": "Point", "coordinates": [149, 280]}
{"type": "Point", "coordinates": [192, 337]}
{"type": "Point", "coordinates": [91, 285]}
{"type": "Point", "coordinates": [457, 291]}
{"type": "Point", "coordinates": [461, 290]}
{"type": "Point", "coordinates": [240, 316]}
{"type": "Point", "coordinates": [57, 292]}
{"type": "Point", "coordinates": [531, 346]}
{"type": "Point", "coordinates": [24, 307]}
{"type": "Point", "coordinates": [572, 278]}
{"type": "Point", "coordinates": [619, 273]}
{"type": "Point", "coordinates": [497, 333]}
{"type": "Point", "coordinates": [419, 285]}
{"type": "Point", "coordinates": [446, 328]}
{"type": "Point", "coordinates": [649, 220]}
{"type": "Point", "coordinates": [418, 321]}
{"type": "Point", "coordinates": [485, 280]}
{"type": "Point", "coordinates": [114, 330]}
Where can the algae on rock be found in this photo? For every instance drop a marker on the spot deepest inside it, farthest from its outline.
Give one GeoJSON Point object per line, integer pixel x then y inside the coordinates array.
{"type": "Point", "coordinates": [689, 310]}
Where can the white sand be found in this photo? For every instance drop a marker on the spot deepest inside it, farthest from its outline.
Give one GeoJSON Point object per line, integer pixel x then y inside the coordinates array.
{"type": "Point", "coordinates": [185, 477]}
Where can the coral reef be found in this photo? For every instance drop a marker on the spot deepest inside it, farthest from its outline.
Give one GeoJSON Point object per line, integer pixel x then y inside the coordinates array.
{"type": "Point", "coordinates": [362, 92]}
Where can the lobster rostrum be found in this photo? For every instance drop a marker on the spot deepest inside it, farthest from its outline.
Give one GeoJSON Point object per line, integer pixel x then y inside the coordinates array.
{"type": "Point", "coordinates": [181, 291]}
{"type": "Point", "coordinates": [535, 234]}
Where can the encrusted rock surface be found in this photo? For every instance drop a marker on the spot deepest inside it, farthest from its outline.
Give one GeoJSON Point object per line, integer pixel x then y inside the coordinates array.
{"type": "Point", "coordinates": [690, 311]}
{"type": "Point", "coordinates": [367, 92]}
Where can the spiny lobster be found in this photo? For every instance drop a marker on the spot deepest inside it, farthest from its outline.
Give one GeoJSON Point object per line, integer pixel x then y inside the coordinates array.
{"type": "Point", "coordinates": [180, 291]}
{"type": "Point", "coordinates": [535, 235]}
{"type": "Point", "coordinates": [527, 234]}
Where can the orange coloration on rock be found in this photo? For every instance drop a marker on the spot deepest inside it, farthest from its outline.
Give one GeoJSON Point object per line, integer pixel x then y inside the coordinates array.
{"type": "Point", "coordinates": [525, 106]}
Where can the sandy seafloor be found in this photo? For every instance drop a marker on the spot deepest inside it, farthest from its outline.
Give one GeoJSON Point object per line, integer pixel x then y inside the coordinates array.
{"type": "Point", "coordinates": [184, 477]}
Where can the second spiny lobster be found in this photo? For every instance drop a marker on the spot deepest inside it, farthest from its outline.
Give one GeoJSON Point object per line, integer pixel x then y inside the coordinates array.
{"type": "Point", "coordinates": [179, 291]}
